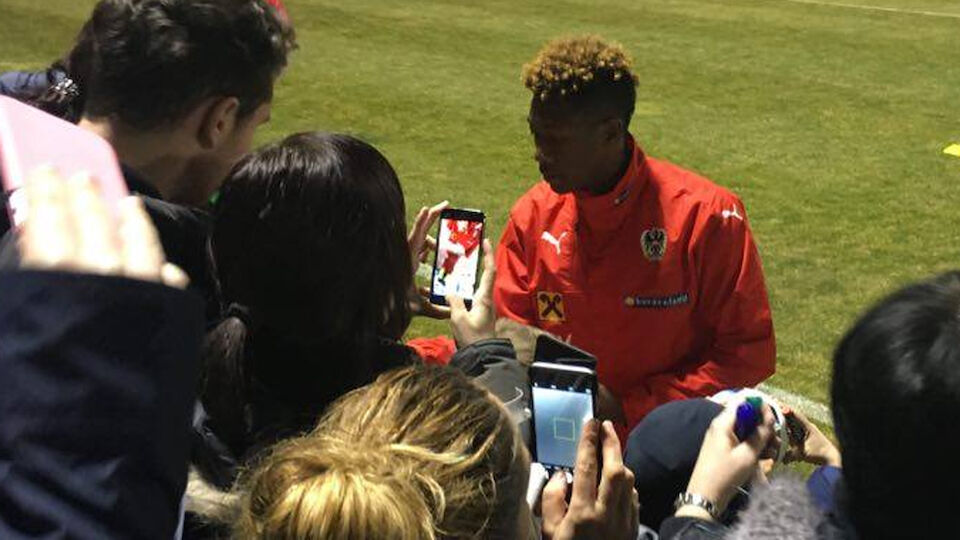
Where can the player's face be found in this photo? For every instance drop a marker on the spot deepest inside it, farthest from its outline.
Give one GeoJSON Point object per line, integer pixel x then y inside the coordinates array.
{"type": "Point", "coordinates": [569, 148]}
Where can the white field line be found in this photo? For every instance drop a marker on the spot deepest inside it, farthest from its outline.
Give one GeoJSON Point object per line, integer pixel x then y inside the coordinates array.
{"type": "Point", "coordinates": [813, 410]}
{"type": "Point", "coordinates": [879, 8]}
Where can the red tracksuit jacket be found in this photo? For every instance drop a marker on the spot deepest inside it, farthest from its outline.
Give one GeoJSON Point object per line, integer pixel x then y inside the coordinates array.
{"type": "Point", "coordinates": [660, 279]}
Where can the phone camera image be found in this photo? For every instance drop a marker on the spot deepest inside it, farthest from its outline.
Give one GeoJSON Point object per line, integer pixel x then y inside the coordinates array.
{"type": "Point", "coordinates": [560, 415]}
{"type": "Point", "coordinates": [458, 257]}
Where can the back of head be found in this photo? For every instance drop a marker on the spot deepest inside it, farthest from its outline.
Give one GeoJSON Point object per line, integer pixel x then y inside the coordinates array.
{"type": "Point", "coordinates": [896, 406]}
{"type": "Point", "coordinates": [328, 489]}
{"type": "Point", "coordinates": [309, 241]}
{"type": "Point", "coordinates": [421, 453]}
{"type": "Point", "coordinates": [149, 62]}
{"type": "Point", "coordinates": [583, 74]}
{"type": "Point", "coordinates": [310, 235]}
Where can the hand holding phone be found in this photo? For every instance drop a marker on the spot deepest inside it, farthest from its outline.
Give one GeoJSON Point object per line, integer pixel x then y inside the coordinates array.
{"type": "Point", "coordinates": [808, 443]}
{"type": "Point", "coordinates": [609, 510]}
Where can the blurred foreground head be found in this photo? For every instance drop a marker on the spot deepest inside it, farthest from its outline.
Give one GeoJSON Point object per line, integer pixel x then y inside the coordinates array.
{"type": "Point", "coordinates": [421, 453]}
{"type": "Point", "coordinates": [896, 407]}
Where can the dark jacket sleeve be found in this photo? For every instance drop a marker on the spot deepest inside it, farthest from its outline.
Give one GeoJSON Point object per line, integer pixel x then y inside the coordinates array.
{"type": "Point", "coordinates": [688, 528]}
{"type": "Point", "coordinates": [97, 378]}
{"type": "Point", "coordinates": [493, 364]}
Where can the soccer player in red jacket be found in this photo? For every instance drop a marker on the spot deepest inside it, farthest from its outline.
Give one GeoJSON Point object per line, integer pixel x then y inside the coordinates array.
{"type": "Point", "coordinates": [649, 266]}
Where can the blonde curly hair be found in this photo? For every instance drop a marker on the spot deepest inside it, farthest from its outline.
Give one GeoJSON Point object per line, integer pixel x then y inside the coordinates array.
{"type": "Point", "coordinates": [421, 453]}
{"type": "Point", "coordinates": [583, 70]}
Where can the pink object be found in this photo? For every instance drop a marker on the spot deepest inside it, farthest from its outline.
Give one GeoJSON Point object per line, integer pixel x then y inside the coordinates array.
{"type": "Point", "coordinates": [31, 138]}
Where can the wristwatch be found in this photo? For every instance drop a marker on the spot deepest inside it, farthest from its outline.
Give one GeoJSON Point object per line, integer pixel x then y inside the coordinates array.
{"type": "Point", "coordinates": [693, 499]}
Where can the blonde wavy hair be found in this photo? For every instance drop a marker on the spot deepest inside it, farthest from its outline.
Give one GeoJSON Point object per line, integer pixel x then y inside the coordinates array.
{"type": "Point", "coordinates": [421, 453]}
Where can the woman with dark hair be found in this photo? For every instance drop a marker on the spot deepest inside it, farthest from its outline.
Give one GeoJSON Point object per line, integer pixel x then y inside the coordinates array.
{"type": "Point", "coordinates": [310, 247]}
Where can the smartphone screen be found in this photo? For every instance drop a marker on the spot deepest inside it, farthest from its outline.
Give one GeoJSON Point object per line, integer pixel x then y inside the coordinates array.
{"type": "Point", "coordinates": [456, 264]}
{"type": "Point", "coordinates": [562, 398]}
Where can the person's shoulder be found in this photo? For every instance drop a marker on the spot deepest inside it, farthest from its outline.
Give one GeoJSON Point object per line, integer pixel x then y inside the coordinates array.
{"type": "Point", "coordinates": [678, 183]}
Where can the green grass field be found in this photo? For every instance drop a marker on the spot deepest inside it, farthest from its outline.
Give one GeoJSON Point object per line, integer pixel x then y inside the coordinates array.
{"type": "Point", "coordinates": [828, 121]}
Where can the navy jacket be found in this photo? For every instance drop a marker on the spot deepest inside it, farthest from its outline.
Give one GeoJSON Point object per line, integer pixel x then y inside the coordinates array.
{"type": "Point", "coordinates": [183, 232]}
{"type": "Point", "coordinates": [29, 83]}
{"type": "Point", "coordinates": [98, 378]}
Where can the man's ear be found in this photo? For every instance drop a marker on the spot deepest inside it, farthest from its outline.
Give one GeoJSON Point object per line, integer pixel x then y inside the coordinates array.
{"type": "Point", "coordinates": [217, 122]}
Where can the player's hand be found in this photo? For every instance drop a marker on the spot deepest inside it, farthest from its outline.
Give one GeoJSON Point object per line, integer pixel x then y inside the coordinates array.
{"type": "Point", "coordinates": [725, 463]}
{"type": "Point", "coordinates": [816, 449]}
{"type": "Point", "coordinates": [421, 245]}
{"type": "Point", "coordinates": [69, 227]}
{"type": "Point", "coordinates": [479, 322]}
{"type": "Point", "coordinates": [610, 510]}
